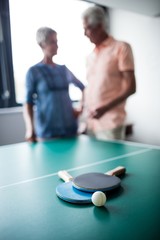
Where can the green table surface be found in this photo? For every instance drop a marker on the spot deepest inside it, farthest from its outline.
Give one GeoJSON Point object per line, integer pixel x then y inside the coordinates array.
{"type": "Point", "coordinates": [30, 209]}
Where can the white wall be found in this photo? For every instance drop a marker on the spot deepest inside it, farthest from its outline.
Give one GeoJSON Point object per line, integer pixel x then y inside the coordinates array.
{"type": "Point", "coordinates": [146, 7]}
{"type": "Point", "coordinates": [12, 128]}
{"type": "Point", "coordinates": [143, 33]}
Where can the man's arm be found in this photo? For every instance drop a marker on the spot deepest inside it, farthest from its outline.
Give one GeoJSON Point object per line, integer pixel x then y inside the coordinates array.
{"type": "Point", "coordinates": [129, 88]}
{"type": "Point", "coordinates": [29, 122]}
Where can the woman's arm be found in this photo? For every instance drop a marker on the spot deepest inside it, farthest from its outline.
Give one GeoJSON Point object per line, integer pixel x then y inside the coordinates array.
{"type": "Point", "coordinates": [28, 115]}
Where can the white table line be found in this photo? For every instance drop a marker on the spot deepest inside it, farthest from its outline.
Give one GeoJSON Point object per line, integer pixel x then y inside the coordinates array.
{"type": "Point", "coordinates": [77, 168]}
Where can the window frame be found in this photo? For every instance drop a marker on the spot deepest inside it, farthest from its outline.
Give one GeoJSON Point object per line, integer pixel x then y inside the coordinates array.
{"type": "Point", "coordinates": [7, 85]}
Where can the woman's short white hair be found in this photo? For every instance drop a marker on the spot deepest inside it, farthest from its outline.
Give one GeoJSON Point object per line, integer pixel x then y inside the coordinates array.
{"type": "Point", "coordinates": [43, 33]}
{"type": "Point", "coordinates": [95, 15]}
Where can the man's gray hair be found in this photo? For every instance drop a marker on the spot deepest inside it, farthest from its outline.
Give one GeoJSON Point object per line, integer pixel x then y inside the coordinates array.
{"type": "Point", "coordinates": [43, 33]}
{"type": "Point", "coordinates": [94, 16]}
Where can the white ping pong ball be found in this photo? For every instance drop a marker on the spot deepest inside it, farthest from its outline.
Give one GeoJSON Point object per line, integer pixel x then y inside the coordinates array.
{"type": "Point", "coordinates": [99, 199]}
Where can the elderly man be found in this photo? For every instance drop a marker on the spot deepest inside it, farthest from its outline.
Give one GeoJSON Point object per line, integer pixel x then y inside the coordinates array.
{"type": "Point", "coordinates": [110, 76]}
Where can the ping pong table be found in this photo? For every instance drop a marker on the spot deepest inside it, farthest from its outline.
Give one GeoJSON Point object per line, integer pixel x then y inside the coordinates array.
{"type": "Point", "coordinates": [30, 209]}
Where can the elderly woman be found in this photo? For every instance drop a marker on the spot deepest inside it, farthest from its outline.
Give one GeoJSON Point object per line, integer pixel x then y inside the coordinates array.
{"type": "Point", "coordinates": [47, 86]}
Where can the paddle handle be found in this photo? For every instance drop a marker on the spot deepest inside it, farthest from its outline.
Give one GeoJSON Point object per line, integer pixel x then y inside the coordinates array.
{"type": "Point", "coordinates": [65, 176]}
{"type": "Point", "coordinates": [116, 171]}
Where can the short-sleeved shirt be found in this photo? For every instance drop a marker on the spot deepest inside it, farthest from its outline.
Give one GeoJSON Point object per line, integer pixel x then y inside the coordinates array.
{"type": "Point", "coordinates": [47, 88]}
{"type": "Point", "coordinates": [104, 75]}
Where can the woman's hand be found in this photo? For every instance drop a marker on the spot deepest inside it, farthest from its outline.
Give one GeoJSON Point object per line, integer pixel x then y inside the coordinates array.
{"type": "Point", "coordinates": [77, 112]}
{"type": "Point", "coordinates": [31, 138]}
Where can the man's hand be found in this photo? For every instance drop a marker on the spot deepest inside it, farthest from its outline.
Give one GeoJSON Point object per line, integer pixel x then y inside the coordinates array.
{"type": "Point", "coordinates": [97, 113]}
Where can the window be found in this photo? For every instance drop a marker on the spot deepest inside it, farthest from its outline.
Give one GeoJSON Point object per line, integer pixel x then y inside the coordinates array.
{"type": "Point", "coordinates": [7, 90]}
{"type": "Point", "coordinates": [65, 17]}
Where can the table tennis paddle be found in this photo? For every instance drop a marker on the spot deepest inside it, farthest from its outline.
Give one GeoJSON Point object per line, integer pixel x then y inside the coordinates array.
{"type": "Point", "coordinates": [95, 181]}
{"type": "Point", "coordinates": [68, 193]}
